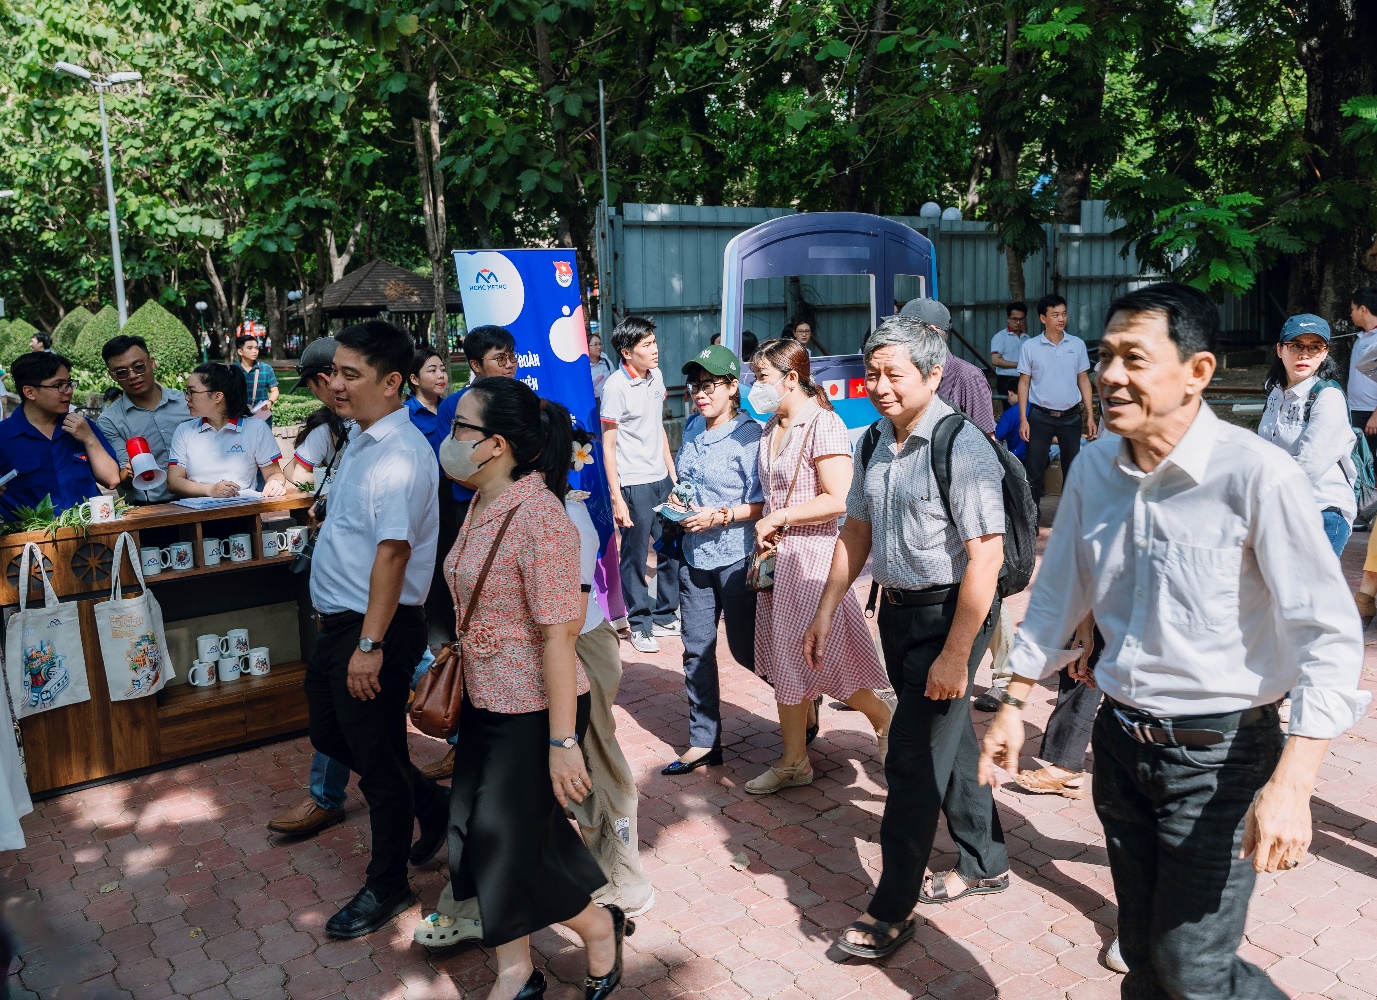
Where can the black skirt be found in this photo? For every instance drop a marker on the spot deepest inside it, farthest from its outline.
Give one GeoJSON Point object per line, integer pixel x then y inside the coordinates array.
{"type": "Point", "coordinates": [509, 841]}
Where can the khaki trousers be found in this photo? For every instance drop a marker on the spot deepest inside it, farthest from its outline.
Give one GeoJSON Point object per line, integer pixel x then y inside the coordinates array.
{"type": "Point", "coordinates": [607, 815]}
{"type": "Point", "coordinates": [1001, 645]}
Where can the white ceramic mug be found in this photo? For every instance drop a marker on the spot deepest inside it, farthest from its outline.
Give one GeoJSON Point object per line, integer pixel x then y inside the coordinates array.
{"type": "Point", "coordinates": [154, 560]}
{"type": "Point", "coordinates": [273, 543]}
{"type": "Point", "coordinates": [210, 648]}
{"type": "Point", "coordinates": [213, 550]}
{"type": "Point", "coordinates": [238, 640]}
{"type": "Point", "coordinates": [202, 673]}
{"type": "Point", "coordinates": [240, 548]}
{"type": "Point", "coordinates": [183, 557]}
{"type": "Point", "coordinates": [98, 510]}
{"type": "Point", "coordinates": [230, 667]}
{"type": "Point", "coordinates": [259, 661]}
{"type": "Point", "coordinates": [296, 539]}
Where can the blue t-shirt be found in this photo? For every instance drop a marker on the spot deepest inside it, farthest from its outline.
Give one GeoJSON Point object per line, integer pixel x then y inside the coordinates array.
{"type": "Point", "coordinates": [1007, 431]}
{"type": "Point", "coordinates": [720, 465]}
{"type": "Point", "coordinates": [444, 420]}
{"type": "Point", "coordinates": [428, 423]}
{"type": "Point", "coordinates": [58, 468]}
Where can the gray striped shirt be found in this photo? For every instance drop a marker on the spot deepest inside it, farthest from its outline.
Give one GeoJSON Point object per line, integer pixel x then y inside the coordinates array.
{"type": "Point", "coordinates": [913, 542]}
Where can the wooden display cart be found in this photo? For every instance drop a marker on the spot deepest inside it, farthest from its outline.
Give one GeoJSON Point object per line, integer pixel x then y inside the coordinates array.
{"type": "Point", "coordinates": [100, 739]}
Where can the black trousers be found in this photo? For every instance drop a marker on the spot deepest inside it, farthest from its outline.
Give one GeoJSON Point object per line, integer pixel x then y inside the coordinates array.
{"type": "Point", "coordinates": [369, 737]}
{"type": "Point", "coordinates": [641, 502]}
{"type": "Point", "coordinates": [510, 844]}
{"type": "Point", "coordinates": [931, 767]}
{"type": "Point", "coordinates": [1041, 430]}
{"type": "Point", "coordinates": [1067, 737]}
{"type": "Point", "coordinates": [1360, 419]}
{"type": "Point", "coordinates": [440, 602]}
{"type": "Point", "coordinates": [1173, 824]}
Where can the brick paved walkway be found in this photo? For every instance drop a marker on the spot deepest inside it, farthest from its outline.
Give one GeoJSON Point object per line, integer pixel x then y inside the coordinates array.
{"type": "Point", "coordinates": [169, 885]}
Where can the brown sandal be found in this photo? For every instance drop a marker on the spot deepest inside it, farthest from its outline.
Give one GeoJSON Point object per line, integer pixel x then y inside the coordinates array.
{"type": "Point", "coordinates": [935, 887]}
{"type": "Point", "coordinates": [1044, 782]}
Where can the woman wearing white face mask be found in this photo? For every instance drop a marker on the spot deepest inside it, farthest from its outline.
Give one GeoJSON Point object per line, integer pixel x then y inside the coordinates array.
{"type": "Point", "coordinates": [805, 472]}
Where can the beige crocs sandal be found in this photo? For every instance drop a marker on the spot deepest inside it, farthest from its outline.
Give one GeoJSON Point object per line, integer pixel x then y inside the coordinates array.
{"type": "Point", "coordinates": [1044, 782]}
{"type": "Point", "coordinates": [440, 931]}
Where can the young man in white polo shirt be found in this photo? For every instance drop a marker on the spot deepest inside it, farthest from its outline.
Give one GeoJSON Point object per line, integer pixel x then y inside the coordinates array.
{"type": "Point", "coordinates": [640, 472]}
{"type": "Point", "coordinates": [1007, 345]}
{"type": "Point", "coordinates": [1053, 393]}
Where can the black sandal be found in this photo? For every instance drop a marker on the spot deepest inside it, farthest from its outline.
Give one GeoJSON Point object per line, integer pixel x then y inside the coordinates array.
{"type": "Point", "coordinates": [879, 930]}
{"type": "Point", "coordinates": [598, 987]}
{"type": "Point", "coordinates": [938, 882]}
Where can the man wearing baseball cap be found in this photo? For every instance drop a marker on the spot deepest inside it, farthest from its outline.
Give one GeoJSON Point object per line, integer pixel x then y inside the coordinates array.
{"type": "Point", "coordinates": [963, 384]}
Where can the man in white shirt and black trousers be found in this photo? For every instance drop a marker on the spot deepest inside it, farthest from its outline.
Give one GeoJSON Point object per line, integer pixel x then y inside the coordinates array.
{"type": "Point", "coordinates": [1198, 548]}
{"type": "Point", "coordinates": [369, 577]}
{"type": "Point", "coordinates": [1053, 393]}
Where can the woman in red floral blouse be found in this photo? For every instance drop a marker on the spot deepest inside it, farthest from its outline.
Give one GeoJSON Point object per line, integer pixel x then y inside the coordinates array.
{"type": "Point", "coordinates": [526, 703]}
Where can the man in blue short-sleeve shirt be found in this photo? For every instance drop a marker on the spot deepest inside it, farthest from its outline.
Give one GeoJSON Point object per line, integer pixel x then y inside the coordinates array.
{"type": "Point", "coordinates": [56, 451]}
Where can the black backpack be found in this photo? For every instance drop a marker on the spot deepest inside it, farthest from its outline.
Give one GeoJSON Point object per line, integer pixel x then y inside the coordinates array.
{"type": "Point", "coordinates": [1020, 512]}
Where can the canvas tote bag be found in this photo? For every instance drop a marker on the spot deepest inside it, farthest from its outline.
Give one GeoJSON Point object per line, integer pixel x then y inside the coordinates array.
{"type": "Point", "coordinates": [44, 659]}
{"type": "Point", "coordinates": [132, 642]}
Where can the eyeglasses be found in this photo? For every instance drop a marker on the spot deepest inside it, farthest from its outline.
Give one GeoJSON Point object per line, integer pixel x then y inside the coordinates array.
{"type": "Point", "coordinates": [1305, 350]}
{"type": "Point", "coordinates": [470, 427]}
{"type": "Point", "coordinates": [137, 368]}
{"type": "Point", "coordinates": [708, 387]}
{"type": "Point", "coordinates": [506, 360]}
{"type": "Point", "coordinates": [189, 391]}
{"type": "Point", "coordinates": [65, 386]}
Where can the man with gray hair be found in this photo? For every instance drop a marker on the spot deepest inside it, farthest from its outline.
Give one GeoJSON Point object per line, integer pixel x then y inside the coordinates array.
{"type": "Point", "coordinates": [964, 385]}
{"type": "Point", "coordinates": [938, 564]}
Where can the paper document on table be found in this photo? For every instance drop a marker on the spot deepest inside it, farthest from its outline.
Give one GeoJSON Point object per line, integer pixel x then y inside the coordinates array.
{"type": "Point", "coordinates": [211, 503]}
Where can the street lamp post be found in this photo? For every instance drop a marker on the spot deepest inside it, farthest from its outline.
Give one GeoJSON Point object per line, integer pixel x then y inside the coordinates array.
{"type": "Point", "coordinates": [101, 85]}
{"type": "Point", "coordinates": [201, 308]}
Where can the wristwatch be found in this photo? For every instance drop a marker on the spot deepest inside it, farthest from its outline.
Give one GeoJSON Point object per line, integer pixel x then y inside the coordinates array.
{"type": "Point", "coordinates": [1010, 700]}
{"type": "Point", "coordinates": [568, 743]}
{"type": "Point", "coordinates": [367, 645]}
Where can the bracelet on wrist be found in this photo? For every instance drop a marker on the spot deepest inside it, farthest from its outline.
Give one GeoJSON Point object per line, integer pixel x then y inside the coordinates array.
{"type": "Point", "coordinates": [1007, 699]}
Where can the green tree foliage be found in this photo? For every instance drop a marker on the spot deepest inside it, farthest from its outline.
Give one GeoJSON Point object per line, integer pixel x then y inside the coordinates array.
{"type": "Point", "coordinates": [168, 339]}
{"type": "Point", "coordinates": [15, 340]}
{"type": "Point", "coordinates": [66, 331]}
{"type": "Point", "coordinates": [85, 353]}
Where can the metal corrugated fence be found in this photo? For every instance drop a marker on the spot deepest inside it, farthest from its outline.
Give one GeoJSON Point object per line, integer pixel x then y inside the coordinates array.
{"type": "Point", "coordinates": [665, 261]}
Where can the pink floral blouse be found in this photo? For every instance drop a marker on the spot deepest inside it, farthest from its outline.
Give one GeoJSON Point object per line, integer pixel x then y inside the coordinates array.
{"type": "Point", "coordinates": [534, 581]}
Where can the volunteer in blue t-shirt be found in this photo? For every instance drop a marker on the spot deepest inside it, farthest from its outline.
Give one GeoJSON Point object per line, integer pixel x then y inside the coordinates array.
{"type": "Point", "coordinates": [56, 451]}
{"type": "Point", "coordinates": [1007, 428]}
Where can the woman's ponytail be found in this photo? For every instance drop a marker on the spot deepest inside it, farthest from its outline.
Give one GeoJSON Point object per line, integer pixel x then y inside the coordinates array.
{"type": "Point", "coordinates": [539, 431]}
{"type": "Point", "coordinates": [556, 450]}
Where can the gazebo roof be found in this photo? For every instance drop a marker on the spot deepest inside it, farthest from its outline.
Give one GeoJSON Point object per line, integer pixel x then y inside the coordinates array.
{"type": "Point", "coordinates": [379, 286]}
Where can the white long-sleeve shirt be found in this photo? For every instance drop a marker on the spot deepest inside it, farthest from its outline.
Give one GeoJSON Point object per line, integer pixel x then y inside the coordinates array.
{"type": "Point", "coordinates": [1210, 578]}
{"type": "Point", "coordinates": [1322, 446]}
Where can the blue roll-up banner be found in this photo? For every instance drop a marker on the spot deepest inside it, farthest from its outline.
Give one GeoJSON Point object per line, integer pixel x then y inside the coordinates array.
{"type": "Point", "coordinates": [537, 296]}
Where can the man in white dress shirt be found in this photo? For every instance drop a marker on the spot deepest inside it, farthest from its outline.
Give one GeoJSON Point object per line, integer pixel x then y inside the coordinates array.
{"type": "Point", "coordinates": [1197, 546]}
{"type": "Point", "coordinates": [1053, 393]}
{"type": "Point", "coordinates": [369, 577]}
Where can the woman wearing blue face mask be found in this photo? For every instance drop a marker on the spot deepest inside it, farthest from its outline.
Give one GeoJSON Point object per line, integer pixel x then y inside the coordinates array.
{"type": "Point", "coordinates": [805, 471]}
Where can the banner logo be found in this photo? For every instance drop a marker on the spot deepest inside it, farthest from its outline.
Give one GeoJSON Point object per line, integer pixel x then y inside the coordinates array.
{"type": "Point", "coordinates": [564, 273]}
{"type": "Point", "coordinates": [486, 278]}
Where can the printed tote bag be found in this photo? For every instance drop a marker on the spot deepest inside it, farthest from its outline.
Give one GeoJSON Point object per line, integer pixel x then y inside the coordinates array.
{"type": "Point", "coordinates": [132, 642]}
{"type": "Point", "coordinates": [44, 659]}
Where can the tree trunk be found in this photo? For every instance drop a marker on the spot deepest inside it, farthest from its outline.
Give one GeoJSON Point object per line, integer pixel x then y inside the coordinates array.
{"type": "Point", "coordinates": [849, 178]}
{"type": "Point", "coordinates": [275, 301]}
{"type": "Point", "coordinates": [1018, 291]}
{"type": "Point", "coordinates": [339, 259]}
{"type": "Point", "coordinates": [1333, 42]}
{"type": "Point", "coordinates": [426, 138]}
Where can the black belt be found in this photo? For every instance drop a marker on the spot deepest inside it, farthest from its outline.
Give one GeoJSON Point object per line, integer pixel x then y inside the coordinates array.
{"type": "Point", "coordinates": [920, 598]}
{"type": "Point", "coordinates": [1057, 413]}
{"type": "Point", "coordinates": [329, 621]}
{"type": "Point", "coordinates": [1185, 730]}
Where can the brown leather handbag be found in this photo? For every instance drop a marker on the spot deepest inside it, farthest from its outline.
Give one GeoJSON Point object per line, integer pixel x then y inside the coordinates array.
{"type": "Point", "coordinates": [440, 693]}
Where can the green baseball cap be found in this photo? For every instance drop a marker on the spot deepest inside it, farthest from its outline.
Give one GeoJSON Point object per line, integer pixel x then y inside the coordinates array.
{"type": "Point", "coordinates": [716, 360]}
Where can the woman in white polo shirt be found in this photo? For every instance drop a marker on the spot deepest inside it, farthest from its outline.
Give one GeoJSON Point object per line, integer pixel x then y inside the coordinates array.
{"type": "Point", "coordinates": [221, 450]}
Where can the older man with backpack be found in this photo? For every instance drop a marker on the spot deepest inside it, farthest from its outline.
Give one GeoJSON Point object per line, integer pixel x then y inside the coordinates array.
{"type": "Point", "coordinates": [950, 521]}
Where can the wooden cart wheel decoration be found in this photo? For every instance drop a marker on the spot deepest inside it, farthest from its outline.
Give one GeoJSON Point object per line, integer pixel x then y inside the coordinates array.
{"type": "Point", "coordinates": [91, 564]}
{"type": "Point", "coordinates": [35, 584]}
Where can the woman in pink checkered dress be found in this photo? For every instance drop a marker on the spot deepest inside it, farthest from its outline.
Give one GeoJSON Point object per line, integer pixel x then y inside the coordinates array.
{"type": "Point", "coordinates": [805, 469]}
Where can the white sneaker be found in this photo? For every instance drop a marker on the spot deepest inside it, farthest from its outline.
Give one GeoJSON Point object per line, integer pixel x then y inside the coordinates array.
{"type": "Point", "coordinates": [1114, 958]}
{"type": "Point", "coordinates": [644, 643]}
{"type": "Point", "coordinates": [672, 629]}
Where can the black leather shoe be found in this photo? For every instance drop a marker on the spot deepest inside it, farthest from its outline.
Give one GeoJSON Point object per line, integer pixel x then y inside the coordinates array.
{"type": "Point", "coordinates": [987, 702]}
{"type": "Point", "coordinates": [434, 832]}
{"type": "Point", "coordinates": [535, 986]}
{"type": "Point", "coordinates": [812, 732]}
{"type": "Point", "coordinates": [598, 987]}
{"type": "Point", "coordinates": [368, 911]}
{"type": "Point", "coordinates": [713, 758]}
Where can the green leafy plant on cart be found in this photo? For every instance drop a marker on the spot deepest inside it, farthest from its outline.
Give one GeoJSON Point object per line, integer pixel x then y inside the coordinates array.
{"type": "Point", "coordinates": [45, 517]}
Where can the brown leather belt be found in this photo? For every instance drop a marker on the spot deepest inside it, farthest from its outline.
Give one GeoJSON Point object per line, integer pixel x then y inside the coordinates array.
{"type": "Point", "coordinates": [1186, 730]}
{"type": "Point", "coordinates": [1057, 413]}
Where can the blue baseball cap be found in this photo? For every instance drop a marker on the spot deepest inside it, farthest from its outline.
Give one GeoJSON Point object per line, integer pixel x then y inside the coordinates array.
{"type": "Point", "coordinates": [1304, 323]}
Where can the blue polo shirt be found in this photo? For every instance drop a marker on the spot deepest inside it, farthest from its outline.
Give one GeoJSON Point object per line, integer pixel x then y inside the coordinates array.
{"type": "Point", "coordinates": [58, 468]}
{"type": "Point", "coordinates": [428, 423]}
{"type": "Point", "coordinates": [444, 420]}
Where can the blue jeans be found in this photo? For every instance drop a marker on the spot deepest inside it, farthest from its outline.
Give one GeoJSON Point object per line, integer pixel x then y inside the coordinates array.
{"type": "Point", "coordinates": [330, 778]}
{"type": "Point", "coordinates": [1337, 530]}
{"type": "Point", "coordinates": [705, 595]}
